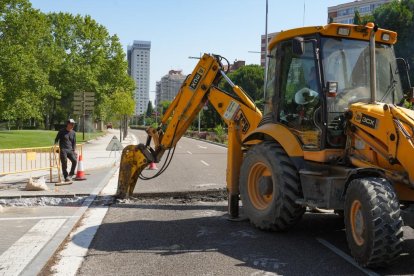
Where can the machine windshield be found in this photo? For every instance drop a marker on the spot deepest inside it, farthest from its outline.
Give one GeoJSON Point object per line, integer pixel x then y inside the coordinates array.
{"type": "Point", "coordinates": [347, 62]}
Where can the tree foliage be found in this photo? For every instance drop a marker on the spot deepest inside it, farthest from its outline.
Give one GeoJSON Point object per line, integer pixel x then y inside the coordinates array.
{"type": "Point", "coordinates": [398, 16]}
{"type": "Point", "coordinates": [48, 57]}
{"type": "Point", "coordinates": [25, 50]}
{"type": "Point", "coordinates": [163, 106]}
{"type": "Point", "coordinates": [250, 78]}
{"type": "Point", "coordinates": [150, 109]}
{"type": "Point", "coordinates": [357, 18]}
{"type": "Point", "coordinates": [121, 104]}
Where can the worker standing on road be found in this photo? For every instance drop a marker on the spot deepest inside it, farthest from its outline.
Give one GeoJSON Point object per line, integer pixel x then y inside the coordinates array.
{"type": "Point", "coordinates": [67, 145]}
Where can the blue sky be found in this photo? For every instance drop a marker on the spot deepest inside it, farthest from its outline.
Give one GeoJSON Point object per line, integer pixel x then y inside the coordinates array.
{"type": "Point", "coordinates": [178, 29]}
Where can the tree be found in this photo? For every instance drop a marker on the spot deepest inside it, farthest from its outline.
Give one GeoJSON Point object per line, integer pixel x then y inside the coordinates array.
{"type": "Point", "coordinates": [92, 60]}
{"type": "Point", "coordinates": [150, 109]}
{"type": "Point", "coordinates": [357, 18]}
{"type": "Point", "coordinates": [398, 16]}
{"type": "Point", "coordinates": [164, 105]}
{"type": "Point", "coordinates": [26, 58]}
{"type": "Point", "coordinates": [46, 58]}
{"type": "Point", "coordinates": [250, 78]}
{"type": "Point", "coordinates": [122, 103]}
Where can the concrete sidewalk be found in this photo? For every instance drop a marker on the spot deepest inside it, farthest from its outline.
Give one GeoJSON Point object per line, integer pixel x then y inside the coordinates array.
{"type": "Point", "coordinates": [95, 160]}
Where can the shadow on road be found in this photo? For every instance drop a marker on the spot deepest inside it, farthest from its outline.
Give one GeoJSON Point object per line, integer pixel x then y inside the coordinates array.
{"type": "Point", "coordinates": [178, 231]}
{"type": "Point", "coordinates": [143, 231]}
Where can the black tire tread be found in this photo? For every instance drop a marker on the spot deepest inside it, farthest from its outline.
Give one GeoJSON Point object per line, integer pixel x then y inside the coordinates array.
{"type": "Point", "coordinates": [289, 213]}
{"type": "Point", "coordinates": [386, 221]}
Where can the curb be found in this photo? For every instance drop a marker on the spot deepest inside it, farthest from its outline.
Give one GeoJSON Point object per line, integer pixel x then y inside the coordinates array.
{"type": "Point", "coordinates": [104, 133]}
{"type": "Point", "coordinates": [207, 141]}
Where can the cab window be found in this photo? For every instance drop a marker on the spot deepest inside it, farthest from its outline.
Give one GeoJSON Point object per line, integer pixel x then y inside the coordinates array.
{"type": "Point", "coordinates": [271, 83]}
{"type": "Point", "coordinates": [299, 102]}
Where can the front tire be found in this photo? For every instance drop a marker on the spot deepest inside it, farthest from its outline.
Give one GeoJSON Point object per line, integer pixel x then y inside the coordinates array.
{"type": "Point", "coordinates": [373, 222]}
{"type": "Point", "coordinates": [269, 187]}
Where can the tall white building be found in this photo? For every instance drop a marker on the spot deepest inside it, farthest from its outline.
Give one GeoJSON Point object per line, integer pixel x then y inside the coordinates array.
{"type": "Point", "coordinates": [344, 13]}
{"type": "Point", "coordinates": [168, 87]}
{"type": "Point", "coordinates": [139, 69]}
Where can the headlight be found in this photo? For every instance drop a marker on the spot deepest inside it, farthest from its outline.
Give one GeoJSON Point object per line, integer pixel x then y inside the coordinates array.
{"type": "Point", "coordinates": [344, 31]}
{"type": "Point", "coordinates": [385, 36]}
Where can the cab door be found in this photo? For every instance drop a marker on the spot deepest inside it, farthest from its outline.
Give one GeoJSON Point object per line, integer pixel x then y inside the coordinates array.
{"type": "Point", "coordinates": [297, 97]}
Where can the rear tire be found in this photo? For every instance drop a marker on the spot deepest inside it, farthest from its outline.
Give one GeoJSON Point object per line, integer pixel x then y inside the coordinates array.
{"type": "Point", "coordinates": [373, 222]}
{"type": "Point", "coordinates": [269, 187]}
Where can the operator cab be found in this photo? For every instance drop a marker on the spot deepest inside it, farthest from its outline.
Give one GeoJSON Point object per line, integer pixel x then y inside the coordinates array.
{"type": "Point", "coordinates": [315, 73]}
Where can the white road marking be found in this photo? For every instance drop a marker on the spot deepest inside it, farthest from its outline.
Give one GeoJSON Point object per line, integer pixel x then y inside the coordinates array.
{"type": "Point", "coordinates": [346, 257]}
{"type": "Point", "coordinates": [21, 253]}
{"type": "Point", "coordinates": [201, 147]}
{"type": "Point", "coordinates": [189, 152]}
{"type": "Point", "coordinates": [72, 256]}
{"type": "Point", "coordinates": [205, 163]}
{"type": "Point", "coordinates": [36, 218]}
{"type": "Point", "coordinates": [74, 252]}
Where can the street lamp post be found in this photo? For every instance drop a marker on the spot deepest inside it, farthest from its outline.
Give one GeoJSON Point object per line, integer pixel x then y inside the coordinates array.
{"type": "Point", "coordinates": [199, 121]}
{"type": "Point", "coordinates": [266, 58]}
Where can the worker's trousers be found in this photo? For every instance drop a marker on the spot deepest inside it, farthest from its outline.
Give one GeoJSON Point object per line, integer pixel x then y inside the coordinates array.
{"type": "Point", "coordinates": [64, 155]}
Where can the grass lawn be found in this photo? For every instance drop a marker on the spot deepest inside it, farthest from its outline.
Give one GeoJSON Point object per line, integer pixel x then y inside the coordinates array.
{"type": "Point", "coordinates": [35, 138]}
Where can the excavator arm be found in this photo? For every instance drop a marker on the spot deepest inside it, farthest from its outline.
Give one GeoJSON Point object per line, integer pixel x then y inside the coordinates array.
{"type": "Point", "coordinates": [236, 108]}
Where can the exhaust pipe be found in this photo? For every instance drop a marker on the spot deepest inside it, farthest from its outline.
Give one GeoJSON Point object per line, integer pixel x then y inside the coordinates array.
{"type": "Point", "coordinates": [373, 69]}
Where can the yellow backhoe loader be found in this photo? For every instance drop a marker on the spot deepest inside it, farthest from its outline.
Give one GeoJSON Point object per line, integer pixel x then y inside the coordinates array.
{"type": "Point", "coordinates": [334, 135]}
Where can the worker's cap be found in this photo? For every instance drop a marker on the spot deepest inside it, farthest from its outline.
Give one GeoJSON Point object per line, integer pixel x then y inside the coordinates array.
{"type": "Point", "coordinates": [305, 96]}
{"type": "Point", "coordinates": [70, 121]}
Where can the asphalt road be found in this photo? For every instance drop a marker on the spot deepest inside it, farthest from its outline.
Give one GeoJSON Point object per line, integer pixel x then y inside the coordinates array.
{"type": "Point", "coordinates": [194, 237]}
{"type": "Point", "coordinates": [196, 165]}
{"type": "Point", "coordinates": [182, 236]}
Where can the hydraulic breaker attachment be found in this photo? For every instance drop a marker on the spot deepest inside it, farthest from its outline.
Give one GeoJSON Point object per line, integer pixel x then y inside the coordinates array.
{"type": "Point", "coordinates": [134, 160]}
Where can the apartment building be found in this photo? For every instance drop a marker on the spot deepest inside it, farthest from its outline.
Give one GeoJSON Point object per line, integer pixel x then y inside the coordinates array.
{"type": "Point", "coordinates": [344, 13]}
{"type": "Point", "coordinates": [263, 47]}
{"type": "Point", "coordinates": [167, 88]}
{"type": "Point", "coordinates": [138, 55]}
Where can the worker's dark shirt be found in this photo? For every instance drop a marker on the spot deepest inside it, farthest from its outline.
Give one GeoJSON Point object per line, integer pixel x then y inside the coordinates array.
{"type": "Point", "coordinates": [67, 139]}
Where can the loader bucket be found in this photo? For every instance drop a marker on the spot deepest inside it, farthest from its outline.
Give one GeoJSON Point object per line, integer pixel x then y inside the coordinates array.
{"type": "Point", "coordinates": [134, 159]}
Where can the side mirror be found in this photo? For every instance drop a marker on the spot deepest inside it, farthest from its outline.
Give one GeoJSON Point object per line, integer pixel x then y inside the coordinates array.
{"type": "Point", "coordinates": [403, 69]}
{"type": "Point", "coordinates": [298, 46]}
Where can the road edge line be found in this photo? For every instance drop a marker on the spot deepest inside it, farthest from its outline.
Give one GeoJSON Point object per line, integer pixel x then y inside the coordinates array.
{"type": "Point", "coordinates": [346, 257]}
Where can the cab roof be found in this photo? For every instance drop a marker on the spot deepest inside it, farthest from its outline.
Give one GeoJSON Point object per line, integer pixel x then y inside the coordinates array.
{"type": "Point", "coordinates": [337, 30]}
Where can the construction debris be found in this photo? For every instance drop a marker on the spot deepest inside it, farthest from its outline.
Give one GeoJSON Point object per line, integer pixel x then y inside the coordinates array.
{"type": "Point", "coordinates": [39, 185]}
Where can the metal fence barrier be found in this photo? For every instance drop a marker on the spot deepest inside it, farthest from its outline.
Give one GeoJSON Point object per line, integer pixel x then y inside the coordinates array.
{"type": "Point", "coordinates": [24, 160]}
